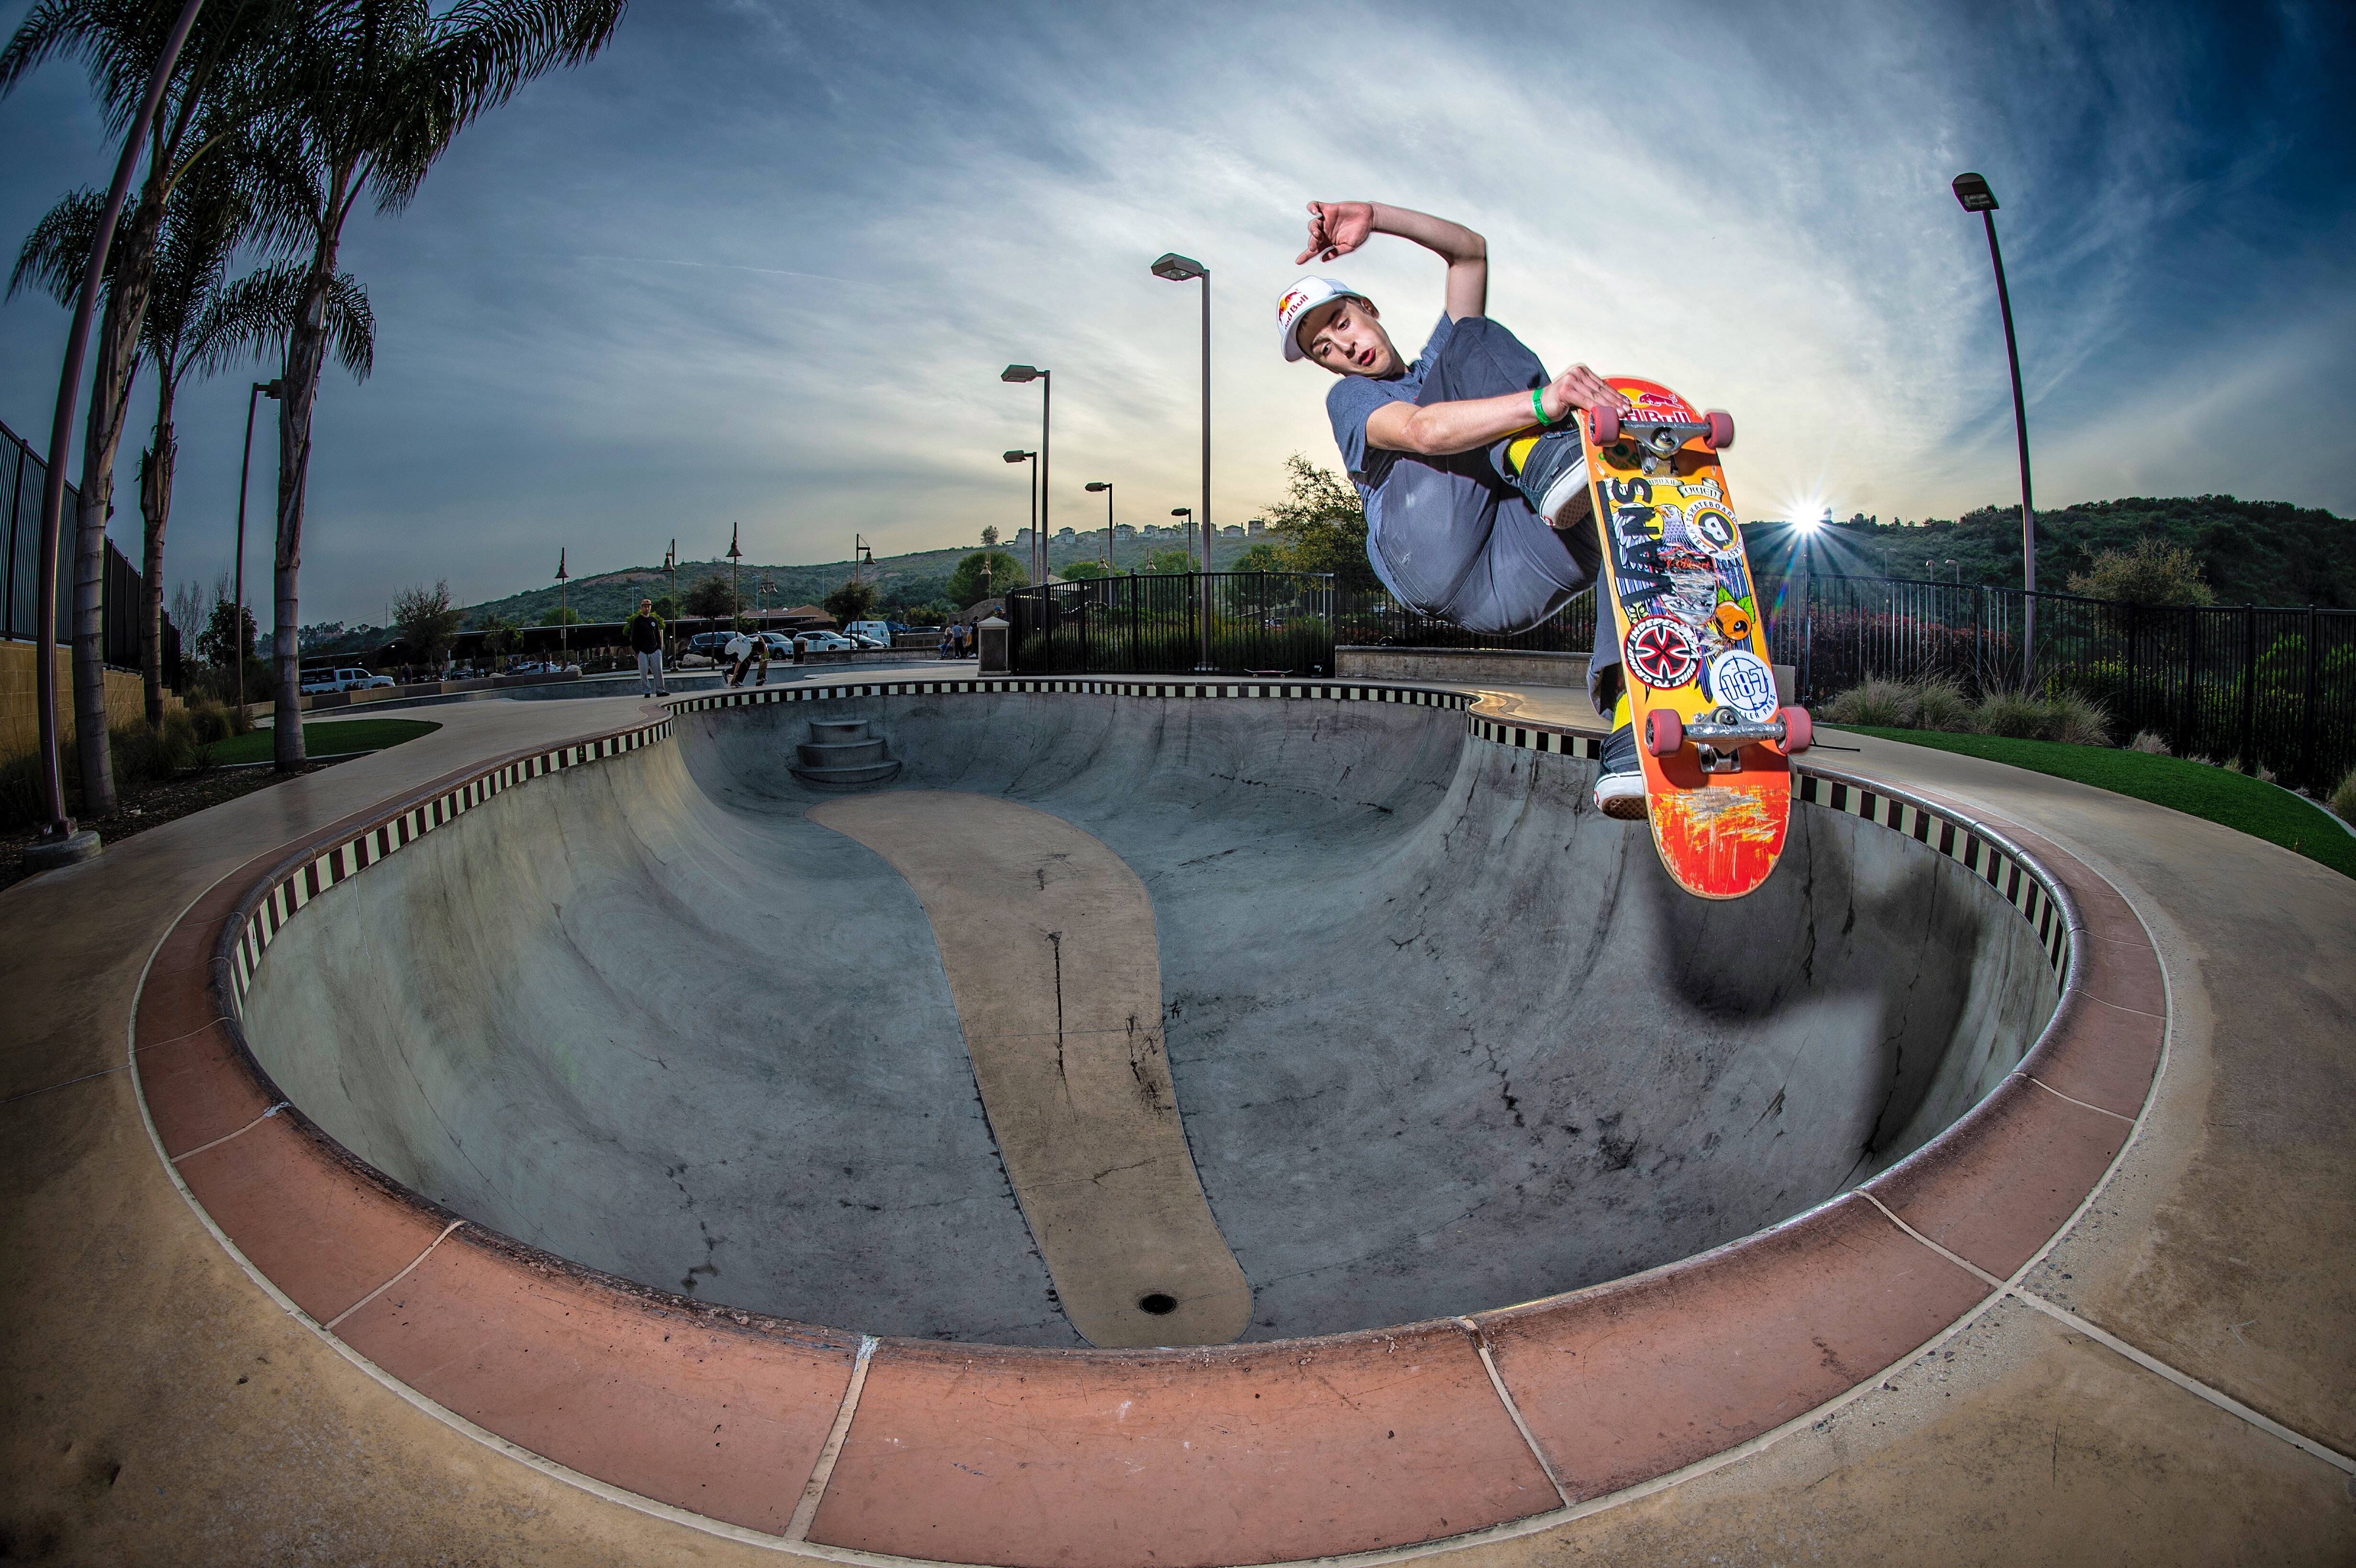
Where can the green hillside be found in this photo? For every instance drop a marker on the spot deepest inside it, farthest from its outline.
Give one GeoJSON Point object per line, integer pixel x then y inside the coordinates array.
{"type": "Point", "coordinates": [2258, 553]}
{"type": "Point", "coordinates": [912, 579]}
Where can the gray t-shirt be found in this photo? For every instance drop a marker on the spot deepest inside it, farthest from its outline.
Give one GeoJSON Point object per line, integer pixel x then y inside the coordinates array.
{"type": "Point", "coordinates": [1352, 398]}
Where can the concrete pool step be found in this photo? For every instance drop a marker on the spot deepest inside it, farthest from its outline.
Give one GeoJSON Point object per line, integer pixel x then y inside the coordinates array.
{"type": "Point", "coordinates": [841, 754]}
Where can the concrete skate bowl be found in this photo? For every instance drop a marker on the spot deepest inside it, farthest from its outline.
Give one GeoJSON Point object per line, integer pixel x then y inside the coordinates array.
{"type": "Point", "coordinates": [569, 1094]}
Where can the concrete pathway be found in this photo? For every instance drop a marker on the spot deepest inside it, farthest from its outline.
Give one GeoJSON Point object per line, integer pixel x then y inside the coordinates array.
{"type": "Point", "coordinates": [163, 1407]}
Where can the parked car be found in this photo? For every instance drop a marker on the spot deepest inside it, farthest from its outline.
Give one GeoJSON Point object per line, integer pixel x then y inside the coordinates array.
{"type": "Point", "coordinates": [824, 643]}
{"type": "Point", "coordinates": [709, 644]}
{"type": "Point", "coordinates": [869, 634]}
{"type": "Point", "coordinates": [320, 681]}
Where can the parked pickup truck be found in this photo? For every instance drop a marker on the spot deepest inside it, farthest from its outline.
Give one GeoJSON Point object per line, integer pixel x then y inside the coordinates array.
{"type": "Point", "coordinates": [318, 681]}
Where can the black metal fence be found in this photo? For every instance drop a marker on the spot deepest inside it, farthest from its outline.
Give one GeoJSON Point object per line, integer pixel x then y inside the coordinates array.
{"type": "Point", "coordinates": [2266, 684]}
{"type": "Point", "coordinates": [2275, 685]}
{"type": "Point", "coordinates": [1257, 620]}
{"type": "Point", "coordinates": [22, 472]}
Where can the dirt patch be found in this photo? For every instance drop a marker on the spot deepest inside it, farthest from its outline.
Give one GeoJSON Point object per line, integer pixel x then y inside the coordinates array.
{"type": "Point", "coordinates": [140, 806]}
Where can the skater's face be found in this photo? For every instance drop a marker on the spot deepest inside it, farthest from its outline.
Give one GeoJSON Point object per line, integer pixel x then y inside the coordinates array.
{"type": "Point", "coordinates": [1346, 336]}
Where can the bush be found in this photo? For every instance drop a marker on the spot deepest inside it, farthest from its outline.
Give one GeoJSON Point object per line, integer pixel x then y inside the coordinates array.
{"type": "Point", "coordinates": [2343, 798]}
{"type": "Point", "coordinates": [2149, 742]}
{"type": "Point", "coordinates": [2077, 721]}
{"type": "Point", "coordinates": [1879, 704]}
{"type": "Point", "coordinates": [2014, 716]}
{"type": "Point", "coordinates": [1940, 704]}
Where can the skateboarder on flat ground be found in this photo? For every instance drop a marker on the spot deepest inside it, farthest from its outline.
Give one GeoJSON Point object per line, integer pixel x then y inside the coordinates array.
{"type": "Point", "coordinates": [1468, 457]}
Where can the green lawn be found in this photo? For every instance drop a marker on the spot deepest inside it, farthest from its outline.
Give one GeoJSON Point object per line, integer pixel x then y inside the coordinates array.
{"type": "Point", "coordinates": [332, 739]}
{"type": "Point", "coordinates": [2195, 788]}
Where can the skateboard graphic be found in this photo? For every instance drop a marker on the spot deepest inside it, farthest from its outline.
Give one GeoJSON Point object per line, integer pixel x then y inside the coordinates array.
{"type": "Point", "coordinates": [1713, 736]}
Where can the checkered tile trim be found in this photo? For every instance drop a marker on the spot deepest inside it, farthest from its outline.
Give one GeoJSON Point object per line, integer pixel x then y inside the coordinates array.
{"type": "Point", "coordinates": [1298, 690]}
{"type": "Point", "coordinates": [2015, 875]}
{"type": "Point", "coordinates": [278, 903]}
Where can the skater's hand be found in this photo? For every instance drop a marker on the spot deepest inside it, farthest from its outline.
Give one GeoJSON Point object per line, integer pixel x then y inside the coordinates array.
{"type": "Point", "coordinates": [1580, 388]}
{"type": "Point", "coordinates": [1336, 229]}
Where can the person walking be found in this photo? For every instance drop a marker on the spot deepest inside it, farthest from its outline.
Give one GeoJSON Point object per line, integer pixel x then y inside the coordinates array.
{"type": "Point", "coordinates": [646, 630]}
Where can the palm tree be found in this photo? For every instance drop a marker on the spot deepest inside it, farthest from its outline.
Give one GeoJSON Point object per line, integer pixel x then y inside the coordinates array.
{"type": "Point", "coordinates": [195, 321]}
{"type": "Point", "coordinates": [213, 93]}
{"type": "Point", "coordinates": [380, 87]}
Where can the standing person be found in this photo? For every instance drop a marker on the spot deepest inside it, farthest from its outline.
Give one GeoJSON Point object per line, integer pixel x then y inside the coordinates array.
{"type": "Point", "coordinates": [1468, 457]}
{"type": "Point", "coordinates": [646, 630]}
{"type": "Point", "coordinates": [945, 642]}
{"type": "Point", "coordinates": [739, 652]}
{"type": "Point", "coordinates": [761, 651]}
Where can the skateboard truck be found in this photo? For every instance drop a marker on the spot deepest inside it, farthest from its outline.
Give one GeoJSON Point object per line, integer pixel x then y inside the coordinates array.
{"type": "Point", "coordinates": [1663, 438]}
{"type": "Point", "coordinates": [1717, 738]}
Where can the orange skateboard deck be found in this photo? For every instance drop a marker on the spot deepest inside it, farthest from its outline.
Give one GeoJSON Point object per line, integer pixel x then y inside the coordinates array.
{"type": "Point", "coordinates": [1713, 738]}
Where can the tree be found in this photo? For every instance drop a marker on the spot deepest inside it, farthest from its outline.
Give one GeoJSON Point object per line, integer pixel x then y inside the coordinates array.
{"type": "Point", "coordinates": [428, 624]}
{"type": "Point", "coordinates": [376, 91]}
{"type": "Point", "coordinates": [1169, 562]}
{"type": "Point", "coordinates": [1262, 557]}
{"type": "Point", "coordinates": [2154, 573]}
{"type": "Point", "coordinates": [713, 598]}
{"type": "Point", "coordinates": [498, 635]}
{"type": "Point", "coordinates": [989, 535]}
{"type": "Point", "coordinates": [563, 615]}
{"type": "Point", "coordinates": [215, 92]}
{"type": "Point", "coordinates": [1321, 526]}
{"type": "Point", "coordinates": [1075, 570]}
{"type": "Point", "coordinates": [194, 322]}
{"type": "Point", "coordinates": [851, 602]}
{"type": "Point", "coordinates": [219, 644]}
{"type": "Point", "coordinates": [967, 586]}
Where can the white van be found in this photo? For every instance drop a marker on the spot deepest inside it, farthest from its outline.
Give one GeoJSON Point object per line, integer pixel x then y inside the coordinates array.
{"type": "Point", "coordinates": [880, 630]}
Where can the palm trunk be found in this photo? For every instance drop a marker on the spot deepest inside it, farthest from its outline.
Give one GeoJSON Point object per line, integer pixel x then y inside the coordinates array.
{"type": "Point", "coordinates": [109, 405]}
{"type": "Point", "coordinates": [155, 511]}
{"type": "Point", "coordinates": [306, 348]}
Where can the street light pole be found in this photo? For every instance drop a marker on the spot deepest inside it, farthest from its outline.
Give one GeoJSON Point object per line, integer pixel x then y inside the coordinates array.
{"type": "Point", "coordinates": [261, 389]}
{"type": "Point", "coordinates": [1018, 455]}
{"type": "Point", "coordinates": [735, 580]}
{"type": "Point", "coordinates": [563, 645]}
{"type": "Point", "coordinates": [1972, 192]}
{"type": "Point", "coordinates": [1039, 508]}
{"type": "Point", "coordinates": [1179, 269]}
{"type": "Point", "coordinates": [1105, 485]}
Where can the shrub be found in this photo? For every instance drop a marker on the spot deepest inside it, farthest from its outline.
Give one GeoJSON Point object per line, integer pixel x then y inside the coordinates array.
{"type": "Point", "coordinates": [2077, 720]}
{"type": "Point", "coordinates": [1880, 704]}
{"type": "Point", "coordinates": [1940, 704]}
{"type": "Point", "coordinates": [2149, 742]}
{"type": "Point", "coordinates": [2343, 798]}
{"type": "Point", "coordinates": [2014, 715]}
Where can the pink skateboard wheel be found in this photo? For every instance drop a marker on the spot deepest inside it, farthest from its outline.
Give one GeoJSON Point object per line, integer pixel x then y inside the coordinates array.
{"type": "Point", "coordinates": [1799, 729]}
{"type": "Point", "coordinates": [1664, 732]}
{"type": "Point", "coordinates": [1607, 425]}
{"type": "Point", "coordinates": [1721, 430]}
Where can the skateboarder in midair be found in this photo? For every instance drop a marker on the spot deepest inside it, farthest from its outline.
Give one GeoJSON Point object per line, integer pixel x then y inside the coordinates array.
{"type": "Point", "coordinates": [1468, 457]}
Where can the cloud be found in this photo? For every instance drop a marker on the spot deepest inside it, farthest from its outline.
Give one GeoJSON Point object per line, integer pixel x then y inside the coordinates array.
{"type": "Point", "coordinates": [762, 263]}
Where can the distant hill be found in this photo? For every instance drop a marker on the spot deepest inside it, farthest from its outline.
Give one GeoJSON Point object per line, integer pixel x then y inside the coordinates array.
{"type": "Point", "coordinates": [922, 574]}
{"type": "Point", "coordinates": [2258, 553]}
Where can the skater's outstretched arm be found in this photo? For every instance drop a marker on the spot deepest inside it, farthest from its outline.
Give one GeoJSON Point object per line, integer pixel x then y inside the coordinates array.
{"type": "Point", "coordinates": [1338, 228]}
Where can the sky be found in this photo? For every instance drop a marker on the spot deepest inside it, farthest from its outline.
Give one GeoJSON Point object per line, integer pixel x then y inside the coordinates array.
{"type": "Point", "coordinates": [760, 265]}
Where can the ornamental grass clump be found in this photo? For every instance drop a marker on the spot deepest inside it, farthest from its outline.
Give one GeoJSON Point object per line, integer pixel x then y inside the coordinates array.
{"type": "Point", "coordinates": [1877, 704]}
{"type": "Point", "coordinates": [2343, 798]}
{"type": "Point", "coordinates": [1940, 704]}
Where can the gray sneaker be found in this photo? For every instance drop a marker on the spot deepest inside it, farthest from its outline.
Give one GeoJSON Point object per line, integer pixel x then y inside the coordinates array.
{"type": "Point", "coordinates": [1620, 786]}
{"type": "Point", "coordinates": [1554, 476]}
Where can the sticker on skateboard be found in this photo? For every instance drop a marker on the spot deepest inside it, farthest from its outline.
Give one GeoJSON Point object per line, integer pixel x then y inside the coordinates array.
{"type": "Point", "coordinates": [1713, 737]}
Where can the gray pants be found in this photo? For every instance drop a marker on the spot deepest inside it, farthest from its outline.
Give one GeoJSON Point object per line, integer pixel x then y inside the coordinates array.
{"type": "Point", "coordinates": [650, 673]}
{"type": "Point", "coordinates": [1457, 541]}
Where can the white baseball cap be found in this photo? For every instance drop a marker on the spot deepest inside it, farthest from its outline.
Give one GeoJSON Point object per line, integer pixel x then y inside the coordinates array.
{"type": "Point", "coordinates": [1300, 299]}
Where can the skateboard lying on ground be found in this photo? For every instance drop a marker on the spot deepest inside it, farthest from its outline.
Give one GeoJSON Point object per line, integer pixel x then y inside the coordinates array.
{"type": "Point", "coordinates": [1714, 739]}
